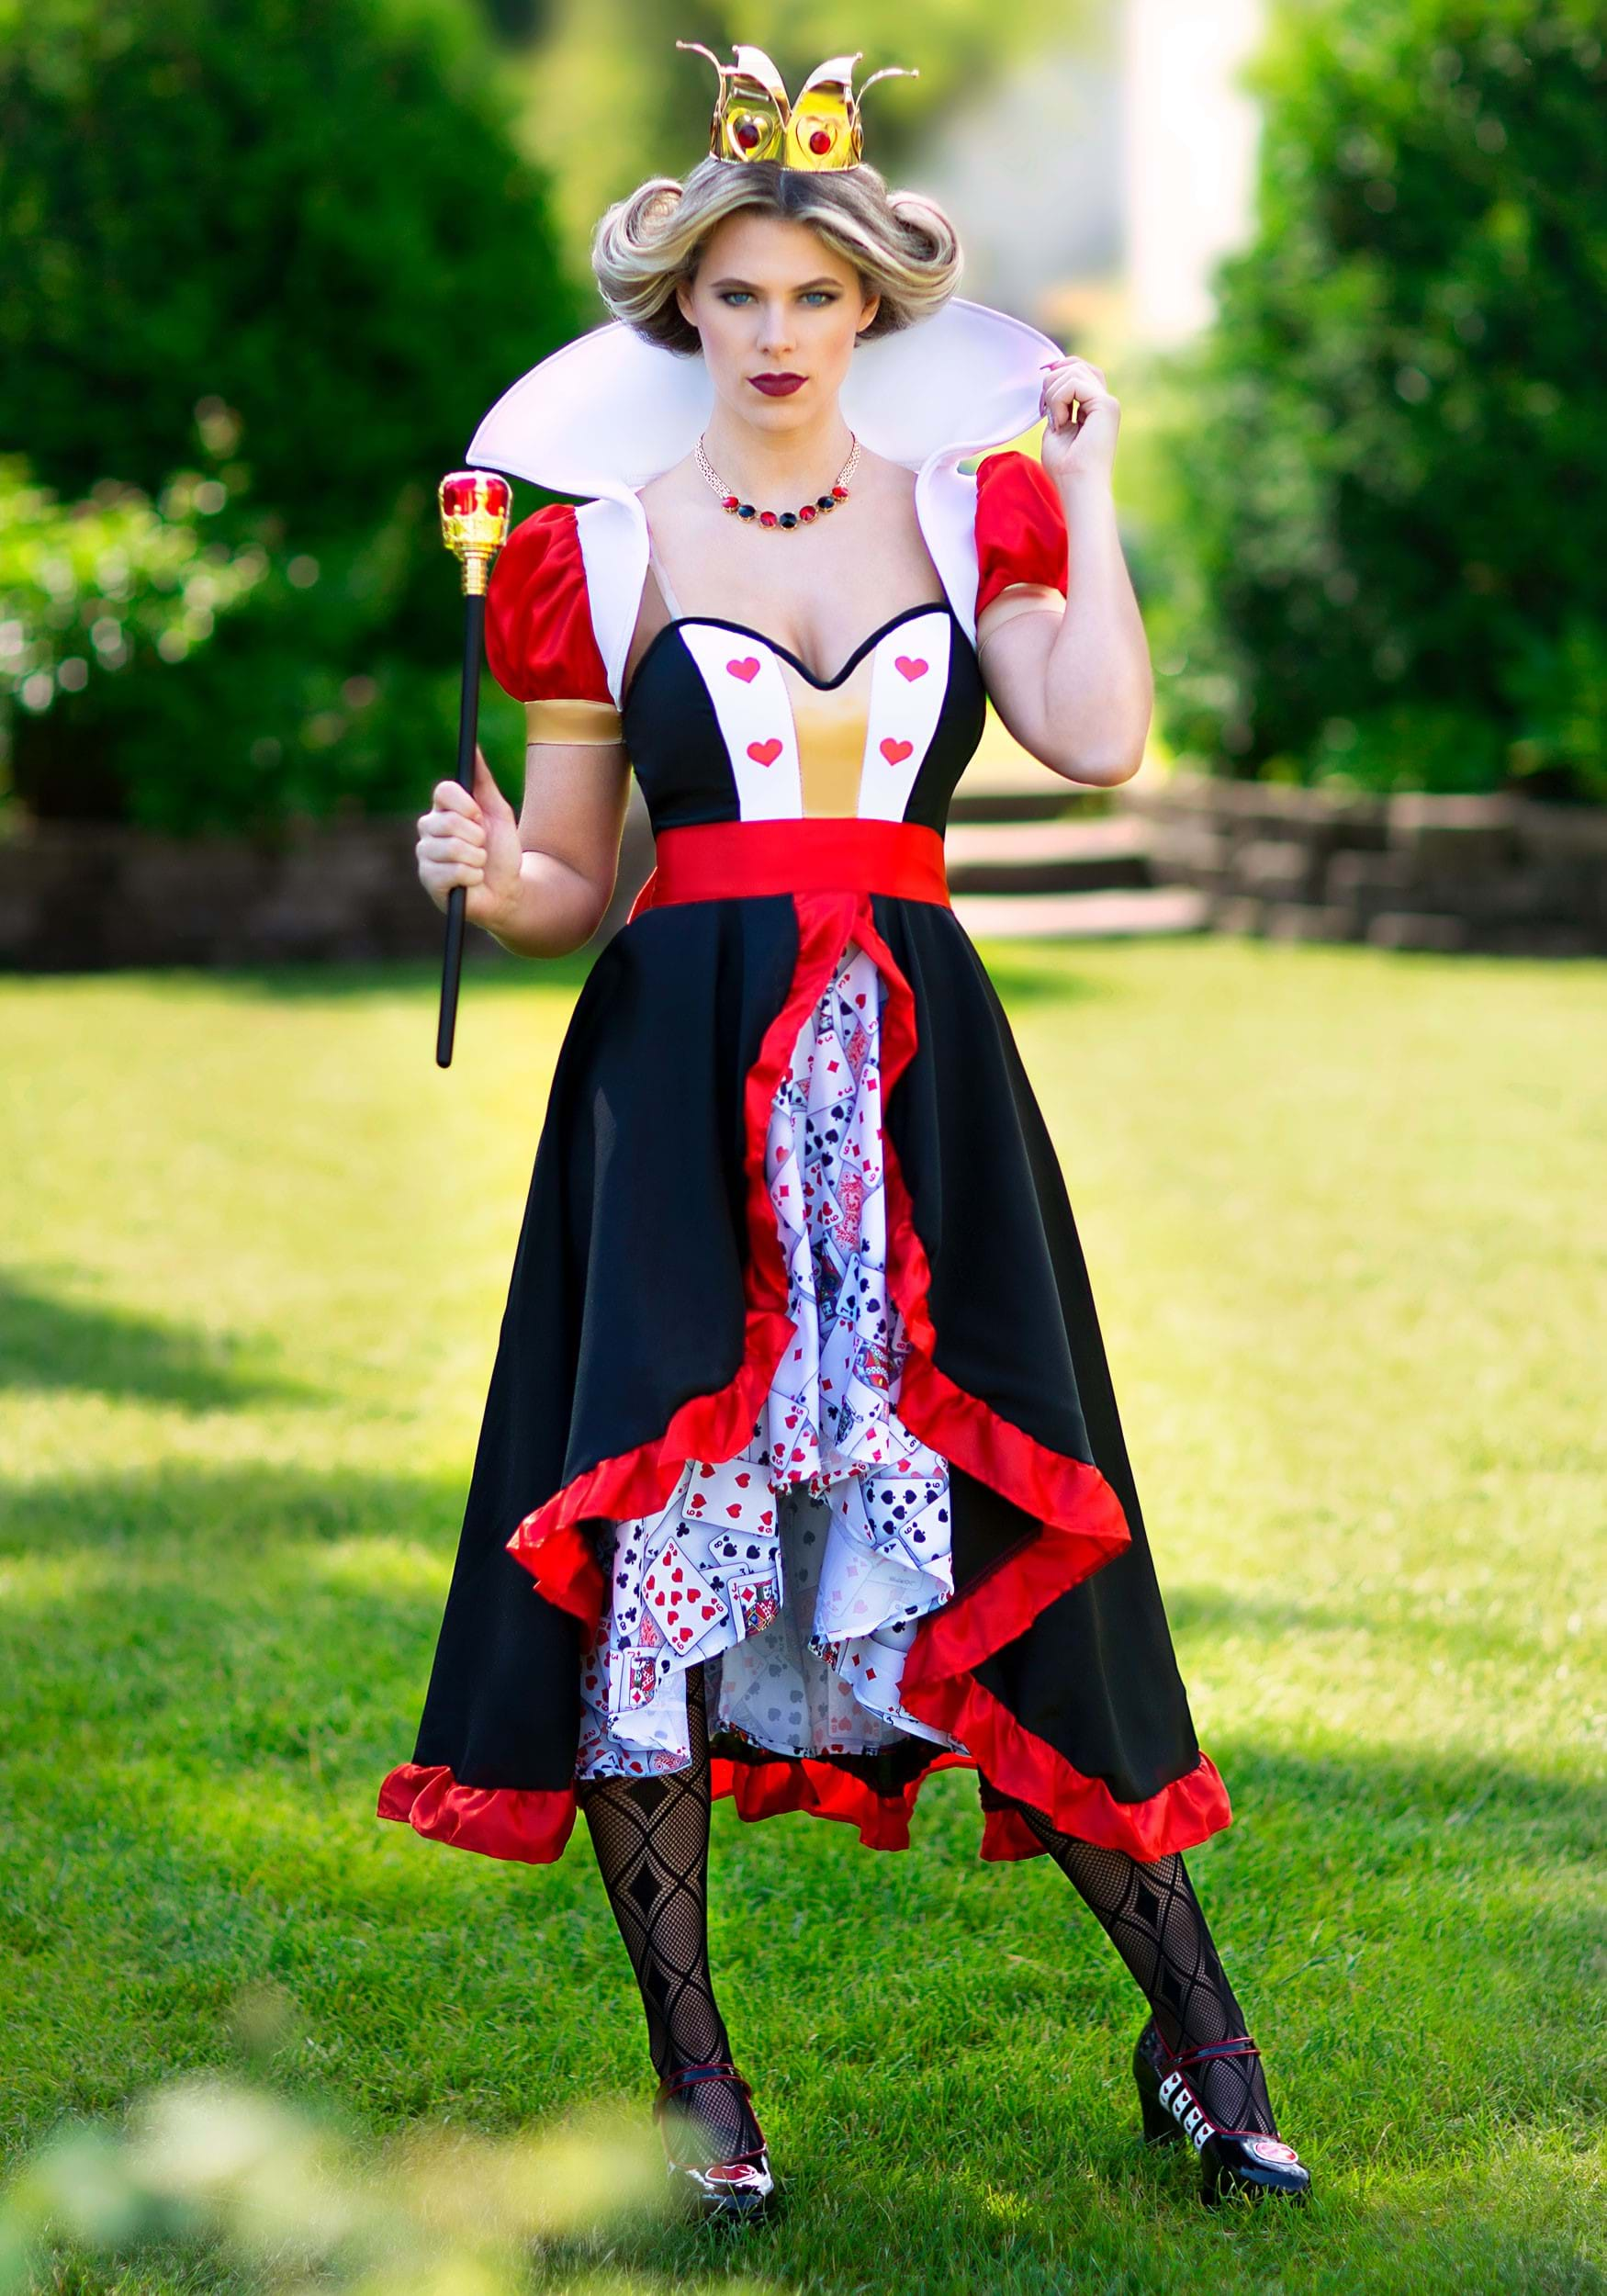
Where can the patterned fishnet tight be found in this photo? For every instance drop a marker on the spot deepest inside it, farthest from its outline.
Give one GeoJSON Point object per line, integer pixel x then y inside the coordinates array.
{"type": "Point", "coordinates": [651, 1837]}
{"type": "Point", "coordinates": [1156, 1923]}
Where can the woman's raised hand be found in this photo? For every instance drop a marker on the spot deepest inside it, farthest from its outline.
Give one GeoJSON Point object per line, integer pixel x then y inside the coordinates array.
{"type": "Point", "coordinates": [471, 839]}
{"type": "Point", "coordinates": [1082, 444]}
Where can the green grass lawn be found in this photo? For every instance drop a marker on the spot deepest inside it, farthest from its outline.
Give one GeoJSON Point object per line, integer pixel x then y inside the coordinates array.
{"type": "Point", "coordinates": [1343, 1214]}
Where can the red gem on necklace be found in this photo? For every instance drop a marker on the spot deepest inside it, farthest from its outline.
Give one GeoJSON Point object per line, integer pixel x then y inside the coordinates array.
{"type": "Point", "coordinates": [767, 518]}
{"type": "Point", "coordinates": [839, 494]}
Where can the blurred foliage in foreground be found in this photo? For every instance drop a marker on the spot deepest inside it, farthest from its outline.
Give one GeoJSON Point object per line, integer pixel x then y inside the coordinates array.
{"type": "Point", "coordinates": [286, 2196]}
{"type": "Point", "coordinates": [302, 226]}
{"type": "Point", "coordinates": [1388, 464]}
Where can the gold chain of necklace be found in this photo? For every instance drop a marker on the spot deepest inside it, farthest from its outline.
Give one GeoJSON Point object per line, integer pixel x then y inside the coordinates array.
{"type": "Point", "coordinates": [805, 513]}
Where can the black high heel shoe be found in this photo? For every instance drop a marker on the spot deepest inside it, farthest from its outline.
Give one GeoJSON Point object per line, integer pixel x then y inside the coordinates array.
{"type": "Point", "coordinates": [1231, 2160]}
{"type": "Point", "coordinates": [736, 2189]}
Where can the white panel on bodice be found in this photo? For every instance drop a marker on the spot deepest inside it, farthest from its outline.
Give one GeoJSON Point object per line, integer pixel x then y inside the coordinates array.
{"type": "Point", "coordinates": [749, 695]}
{"type": "Point", "coordinates": [908, 682]}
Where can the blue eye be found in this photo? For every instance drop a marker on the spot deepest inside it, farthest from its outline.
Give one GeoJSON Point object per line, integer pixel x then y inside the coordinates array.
{"type": "Point", "coordinates": [732, 294]}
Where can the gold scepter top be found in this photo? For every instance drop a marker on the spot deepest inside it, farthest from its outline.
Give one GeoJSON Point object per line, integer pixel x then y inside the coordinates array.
{"type": "Point", "coordinates": [475, 506]}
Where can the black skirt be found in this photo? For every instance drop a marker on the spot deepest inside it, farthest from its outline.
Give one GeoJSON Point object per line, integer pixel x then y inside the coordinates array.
{"type": "Point", "coordinates": [646, 1314]}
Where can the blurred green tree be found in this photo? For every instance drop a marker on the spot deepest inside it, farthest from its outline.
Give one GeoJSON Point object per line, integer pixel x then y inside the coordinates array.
{"type": "Point", "coordinates": [1387, 467]}
{"type": "Point", "coordinates": [612, 100]}
{"type": "Point", "coordinates": [311, 214]}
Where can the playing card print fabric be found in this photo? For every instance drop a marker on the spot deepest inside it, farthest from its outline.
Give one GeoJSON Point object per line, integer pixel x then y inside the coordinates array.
{"type": "Point", "coordinates": [800, 1566]}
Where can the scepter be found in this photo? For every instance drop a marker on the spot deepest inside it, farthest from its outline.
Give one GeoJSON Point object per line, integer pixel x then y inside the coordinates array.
{"type": "Point", "coordinates": [475, 507]}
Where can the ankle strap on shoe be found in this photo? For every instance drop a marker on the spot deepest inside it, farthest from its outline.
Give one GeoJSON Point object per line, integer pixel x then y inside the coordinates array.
{"type": "Point", "coordinates": [686, 2073]}
{"type": "Point", "coordinates": [1241, 2047]}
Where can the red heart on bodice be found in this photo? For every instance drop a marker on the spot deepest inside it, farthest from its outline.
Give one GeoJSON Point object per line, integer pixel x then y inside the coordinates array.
{"type": "Point", "coordinates": [767, 752]}
{"type": "Point", "coordinates": [746, 669]}
{"type": "Point", "coordinates": [912, 669]}
{"type": "Point", "coordinates": [896, 752]}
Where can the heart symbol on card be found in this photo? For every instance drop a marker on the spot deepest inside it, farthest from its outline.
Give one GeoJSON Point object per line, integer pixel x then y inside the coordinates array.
{"type": "Point", "coordinates": [747, 669]}
{"type": "Point", "coordinates": [765, 752]}
{"type": "Point", "coordinates": [910, 667]}
{"type": "Point", "coordinates": [896, 752]}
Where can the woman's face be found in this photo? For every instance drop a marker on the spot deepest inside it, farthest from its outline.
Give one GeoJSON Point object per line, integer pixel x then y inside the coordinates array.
{"type": "Point", "coordinates": [771, 299]}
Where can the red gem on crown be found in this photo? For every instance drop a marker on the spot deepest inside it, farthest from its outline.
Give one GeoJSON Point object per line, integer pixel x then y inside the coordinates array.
{"type": "Point", "coordinates": [468, 490]}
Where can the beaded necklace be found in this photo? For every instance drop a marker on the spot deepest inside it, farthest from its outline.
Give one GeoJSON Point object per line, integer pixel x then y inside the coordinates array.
{"type": "Point", "coordinates": [804, 515]}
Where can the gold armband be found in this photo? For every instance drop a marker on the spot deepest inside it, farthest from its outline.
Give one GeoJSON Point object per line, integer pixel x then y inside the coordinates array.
{"type": "Point", "coordinates": [572, 721]}
{"type": "Point", "coordinates": [1019, 598]}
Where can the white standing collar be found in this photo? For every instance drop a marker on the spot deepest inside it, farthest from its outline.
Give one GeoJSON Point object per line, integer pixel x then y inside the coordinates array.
{"type": "Point", "coordinates": [607, 412]}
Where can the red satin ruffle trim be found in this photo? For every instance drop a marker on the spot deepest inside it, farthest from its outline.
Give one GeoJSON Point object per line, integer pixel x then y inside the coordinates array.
{"type": "Point", "coordinates": [532, 1828]}
{"type": "Point", "coordinates": [716, 1425]}
{"type": "Point", "coordinates": [1079, 1520]}
{"type": "Point", "coordinates": [1082, 1518]}
{"type": "Point", "coordinates": [794, 1782]}
{"type": "Point", "coordinates": [500, 1821]}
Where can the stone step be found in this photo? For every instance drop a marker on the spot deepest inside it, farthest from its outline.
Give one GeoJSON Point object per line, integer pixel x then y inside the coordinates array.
{"type": "Point", "coordinates": [1004, 782]}
{"type": "Point", "coordinates": [1044, 798]}
{"type": "Point", "coordinates": [1070, 855]}
{"type": "Point", "coordinates": [1082, 916]}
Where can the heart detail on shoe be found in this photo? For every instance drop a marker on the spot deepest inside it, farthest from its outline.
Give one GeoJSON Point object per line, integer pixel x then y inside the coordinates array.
{"type": "Point", "coordinates": [747, 669]}
{"type": "Point", "coordinates": [1271, 2148]}
{"type": "Point", "coordinates": [765, 752]}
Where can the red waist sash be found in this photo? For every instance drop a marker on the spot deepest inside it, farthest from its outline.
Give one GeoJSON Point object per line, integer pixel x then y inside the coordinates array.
{"type": "Point", "coordinates": [716, 860]}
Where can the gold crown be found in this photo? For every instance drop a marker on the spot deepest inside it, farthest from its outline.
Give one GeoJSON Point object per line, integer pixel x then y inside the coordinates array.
{"type": "Point", "coordinates": [753, 120]}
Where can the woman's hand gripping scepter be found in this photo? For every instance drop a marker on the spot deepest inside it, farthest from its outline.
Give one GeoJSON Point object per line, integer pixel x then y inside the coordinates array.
{"type": "Point", "coordinates": [475, 509]}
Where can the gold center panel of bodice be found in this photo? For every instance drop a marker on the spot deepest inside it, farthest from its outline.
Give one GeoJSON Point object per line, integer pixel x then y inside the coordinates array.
{"type": "Point", "coordinates": [852, 744]}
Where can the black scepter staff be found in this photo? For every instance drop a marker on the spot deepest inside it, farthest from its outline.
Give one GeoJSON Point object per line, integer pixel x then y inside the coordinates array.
{"type": "Point", "coordinates": [475, 508]}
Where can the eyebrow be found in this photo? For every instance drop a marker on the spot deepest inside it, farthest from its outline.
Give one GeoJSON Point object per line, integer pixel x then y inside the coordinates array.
{"type": "Point", "coordinates": [803, 286]}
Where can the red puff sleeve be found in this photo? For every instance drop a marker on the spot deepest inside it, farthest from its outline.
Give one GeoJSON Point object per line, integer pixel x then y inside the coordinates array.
{"type": "Point", "coordinates": [1020, 527]}
{"type": "Point", "coordinates": [539, 639]}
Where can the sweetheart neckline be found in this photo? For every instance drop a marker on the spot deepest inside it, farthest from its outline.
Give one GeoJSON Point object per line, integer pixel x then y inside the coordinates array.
{"type": "Point", "coordinates": [822, 685]}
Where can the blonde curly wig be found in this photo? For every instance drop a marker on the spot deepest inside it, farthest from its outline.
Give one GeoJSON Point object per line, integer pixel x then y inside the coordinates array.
{"type": "Point", "coordinates": [902, 246]}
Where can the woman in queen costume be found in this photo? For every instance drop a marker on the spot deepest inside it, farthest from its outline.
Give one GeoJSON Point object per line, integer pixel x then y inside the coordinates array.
{"type": "Point", "coordinates": [801, 1475]}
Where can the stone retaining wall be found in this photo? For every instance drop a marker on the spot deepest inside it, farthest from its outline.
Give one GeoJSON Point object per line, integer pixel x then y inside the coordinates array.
{"type": "Point", "coordinates": [1503, 874]}
{"type": "Point", "coordinates": [82, 897]}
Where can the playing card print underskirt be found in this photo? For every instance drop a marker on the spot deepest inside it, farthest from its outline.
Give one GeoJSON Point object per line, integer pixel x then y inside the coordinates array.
{"type": "Point", "coordinates": [798, 1569]}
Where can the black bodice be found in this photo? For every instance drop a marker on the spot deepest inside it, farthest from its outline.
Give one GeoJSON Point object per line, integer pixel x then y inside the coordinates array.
{"type": "Point", "coordinates": [724, 724]}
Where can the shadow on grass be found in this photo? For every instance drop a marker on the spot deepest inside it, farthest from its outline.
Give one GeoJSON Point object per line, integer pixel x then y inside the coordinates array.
{"type": "Point", "coordinates": [52, 1343]}
{"type": "Point", "coordinates": [1020, 980]}
{"type": "Point", "coordinates": [486, 972]}
{"type": "Point", "coordinates": [235, 1515]}
{"type": "Point", "coordinates": [1200, 1613]}
{"type": "Point", "coordinates": [197, 1734]}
